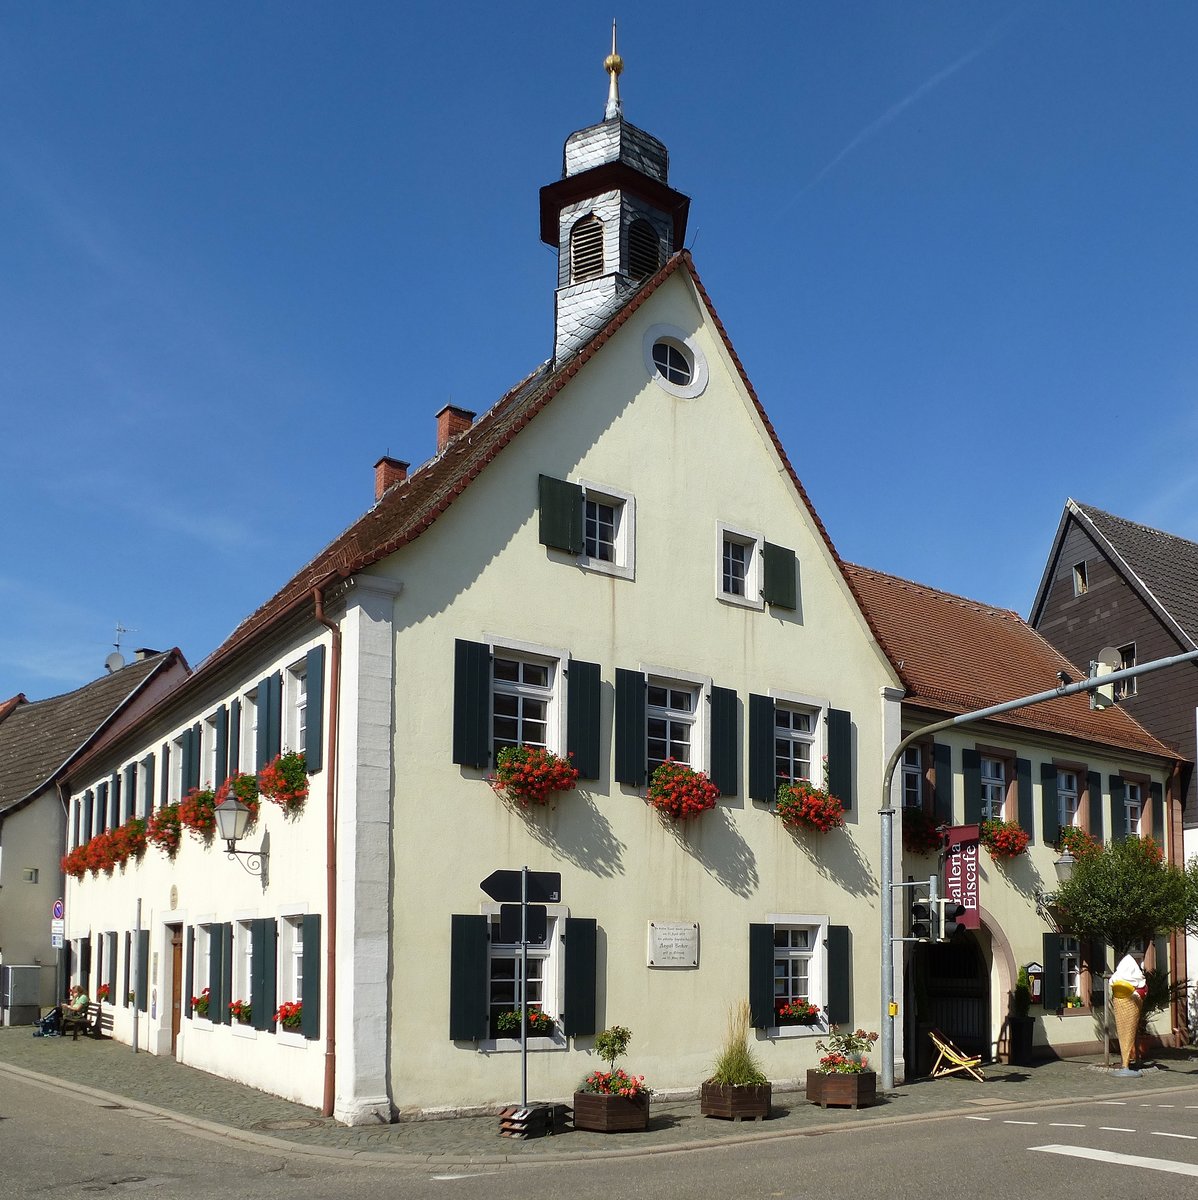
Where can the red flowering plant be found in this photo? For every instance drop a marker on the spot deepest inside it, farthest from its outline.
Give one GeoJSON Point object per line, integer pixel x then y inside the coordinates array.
{"type": "Point", "coordinates": [922, 834]}
{"type": "Point", "coordinates": [801, 805]}
{"type": "Point", "coordinates": [100, 853]}
{"type": "Point", "coordinates": [1077, 841]}
{"type": "Point", "coordinates": [103, 992]}
{"type": "Point", "coordinates": [197, 810]}
{"type": "Point", "coordinates": [540, 1024]}
{"type": "Point", "coordinates": [290, 1014]}
{"type": "Point", "coordinates": [615, 1081]}
{"type": "Point", "coordinates": [528, 775]}
{"type": "Point", "coordinates": [164, 829]}
{"type": "Point", "coordinates": [1004, 839]}
{"type": "Point", "coordinates": [680, 792]}
{"type": "Point", "coordinates": [74, 863]}
{"type": "Point", "coordinates": [199, 1004]}
{"type": "Point", "coordinates": [844, 1053]}
{"type": "Point", "coordinates": [241, 1011]}
{"type": "Point", "coordinates": [796, 1012]}
{"type": "Point", "coordinates": [129, 840]}
{"type": "Point", "coordinates": [285, 781]}
{"type": "Point", "coordinates": [241, 787]}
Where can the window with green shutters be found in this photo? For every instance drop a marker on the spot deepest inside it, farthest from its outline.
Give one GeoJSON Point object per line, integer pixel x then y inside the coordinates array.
{"type": "Point", "coordinates": [780, 579]}
{"type": "Point", "coordinates": [593, 521]}
{"type": "Point", "coordinates": [560, 514]}
{"type": "Point", "coordinates": [310, 993]}
{"type": "Point", "coordinates": [799, 957]}
{"type": "Point", "coordinates": [841, 760]}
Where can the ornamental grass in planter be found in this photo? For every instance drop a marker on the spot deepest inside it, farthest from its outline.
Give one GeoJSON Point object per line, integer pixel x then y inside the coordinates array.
{"type": "Point", "coordinates": [738, 1089]}
{"type": "Point", "coordinates": [612, 1101]}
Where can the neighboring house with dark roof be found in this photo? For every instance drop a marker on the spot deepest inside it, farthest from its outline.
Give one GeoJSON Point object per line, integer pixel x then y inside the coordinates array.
{"type": "Point", "coordinates": [615, 561]}
{"type": "Point", "coordinates": [1110, 582]}
{"type": "Point", "coordinates": [1044, 766]}
{"type": "Point", "coordinates": [38, 741]}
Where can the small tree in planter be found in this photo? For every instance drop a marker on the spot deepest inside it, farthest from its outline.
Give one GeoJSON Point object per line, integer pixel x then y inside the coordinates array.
{"type": "Point", "coordinates": [738, 1087]}
{"type": "Point", "coordinates": [612, 1101]}
{"type": "Point", "coordinates": [1019, 1022]}
{"type": "Point", "coordinates": [844, 1075]}
{"type": "Point", "coordinates": [527, 776]}
{"type": "Point", "coordinates": [680, 792]}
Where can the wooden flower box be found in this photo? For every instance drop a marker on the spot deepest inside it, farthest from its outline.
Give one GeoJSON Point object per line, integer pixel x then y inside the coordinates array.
{"type": "Point", "coordinates": [733, 1102]}
{"type": "Point", "coordinates": [853, 1091]}
{"type": "Point", "coordinates": [600, 1113]}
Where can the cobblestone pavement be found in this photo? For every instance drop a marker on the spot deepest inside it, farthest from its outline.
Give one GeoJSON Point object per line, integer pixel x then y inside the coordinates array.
{"type": "Point", "coordinates": [113, 1073]}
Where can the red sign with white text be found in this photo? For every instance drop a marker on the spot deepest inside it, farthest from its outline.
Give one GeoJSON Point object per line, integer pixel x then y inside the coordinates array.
{"type": "Point", "coordinates": [961, 872]}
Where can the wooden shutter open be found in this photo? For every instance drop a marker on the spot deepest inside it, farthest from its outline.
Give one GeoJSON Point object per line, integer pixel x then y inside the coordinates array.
{"type": "Point", "coordinates": [1094, 804]}
{"type": "Point", "coordinates": [840, 975]}
{"type": "Point", "coordinates": [581, 974]}
{"type": "Point", "coordinates": [1049, 814]}
{"type": "Point", "coordinates": [779, 585]}
{"type": "Point", "coordinates": [471, 703]}
{"type": "Point", "coordinates": [1023, 794]}
{"type": "Point", "coordinates": [310, 1016]}
{"type": "Point", "coordinates": [761, 975]}
{"type": "Point", "coordinates": [559, 514]}
{"type": "Point", "coordinates": [725, 762]}
{"type": "Point", "coordinates": [469, 977]}
{"type": "Point", "coordinates": [582, 716]}
{"type": "Point", "coordinates": [630, 756]}
{"type": "Point", "coordinates": [763, 780]}
{"type": "Point", "coordinates": [313, 746]}
{"type": "Point", "coordinates": [971, 773]}
{"type": "Point", "coordinates": [840, 755]}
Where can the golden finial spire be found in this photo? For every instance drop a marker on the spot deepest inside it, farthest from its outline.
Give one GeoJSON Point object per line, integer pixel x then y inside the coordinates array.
{"type": "Point", "coordinates": [613, 64]}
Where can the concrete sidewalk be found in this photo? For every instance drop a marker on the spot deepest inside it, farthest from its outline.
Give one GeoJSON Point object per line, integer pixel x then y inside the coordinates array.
{"type": "Point", "coordinates": [111, 1073]}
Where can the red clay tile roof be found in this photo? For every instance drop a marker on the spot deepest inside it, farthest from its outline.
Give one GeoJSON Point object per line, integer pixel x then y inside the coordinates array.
{"type": "Point", "coordinates": [957, 655]}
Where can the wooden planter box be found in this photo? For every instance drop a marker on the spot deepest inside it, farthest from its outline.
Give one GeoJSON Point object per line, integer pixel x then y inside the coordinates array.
{"type": "Point", "coordinates": [610, 1114]}
{"type": "Point", "coordinates": [750, 1102]}
{"type": "Point", "coordinates": [855, 1091]}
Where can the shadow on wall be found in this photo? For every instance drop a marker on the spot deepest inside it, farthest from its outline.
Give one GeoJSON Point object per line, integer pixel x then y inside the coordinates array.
{"type": "Point", "coordinates": [837, 857]}
{"type": "Point", "coordinates": [715, 843]}
{"type": "Point", "coordinates": [575, 829]}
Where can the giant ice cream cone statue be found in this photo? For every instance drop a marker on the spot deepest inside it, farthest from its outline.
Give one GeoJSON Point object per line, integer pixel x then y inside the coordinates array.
{"type": "Point", "coordinates": [1127, 999]}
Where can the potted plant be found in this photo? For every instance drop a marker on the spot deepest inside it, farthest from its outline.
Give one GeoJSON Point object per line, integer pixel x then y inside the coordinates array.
{"type": "Point", "coordinates": [843, 1075]}
{"type": "Point", "coordinates": [527, 776]}
{"type": "Point", "coordinates": [290, 1014]}
{"type": "Point", "coordinates": [612, 1101]}
{"type": "Point", "coordinates": [738, 1088]}
{"type": "Point", "coordinates": [1020, 1023]}
{"type": "Point", "coordinates": [164, 829]}
{"type": "Point", "coordinates": [1077, 841]}
{"type": "Point", "coordinates": [199, 1004]}
{"type": "Point", "coordinates": [243, 787]}
{"type": "Point", "coordinates": [680, 792]}
{"type": "Point", "coordinates": [802, 805]}
{"type": "Point", "coordinates": [796, 1012]}
{"type": "Point", "coordinates": [241, 1011]}
{"type": "Point", "coordinates": [285, 781]}
{"type": "Point", "coordinates": [103, 992]}
{"type": "Point", "coordinates": [922, 834]}
{"type": "Point", "coordinates": [1004, 839]}
{"type": "Point", "coordinates": [540, 1024]}
{"type": "Point", "coordinates": [197, 810]}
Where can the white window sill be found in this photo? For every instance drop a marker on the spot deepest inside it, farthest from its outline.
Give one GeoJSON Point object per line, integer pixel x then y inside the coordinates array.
{"type": "Point", "coordinates": [756, 603]}
{"type": "Point", "coordinates": [289, 1037]}
{"type": "Point", "coordinates": [797, 1031]}
{"type": "Point", "coordinates": [244, 1031]}
{"type": "Point", "coordinates": [599, 566]}
{"type": "Point", "coordinates": [201, 1023]}
{"type": "Point", "coordinates": [556, 1041]}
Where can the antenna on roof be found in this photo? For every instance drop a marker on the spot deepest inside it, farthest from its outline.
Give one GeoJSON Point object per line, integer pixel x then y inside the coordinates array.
{"type": "Point", "coordinates": [116, 660]}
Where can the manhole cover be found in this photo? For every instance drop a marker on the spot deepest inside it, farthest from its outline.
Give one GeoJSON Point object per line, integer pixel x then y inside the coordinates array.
{"type": "Point", "coordinates": [290, 1123]}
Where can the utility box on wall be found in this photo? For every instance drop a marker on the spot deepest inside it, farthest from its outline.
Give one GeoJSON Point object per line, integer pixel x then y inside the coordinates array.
{"type": "Point", "coordinates": [1035, 976]}
{"type": "Point", "coordinates": [20, 991]}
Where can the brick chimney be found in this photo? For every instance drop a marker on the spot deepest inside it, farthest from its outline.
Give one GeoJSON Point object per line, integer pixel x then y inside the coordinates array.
{"type": "Point", "coordinates": [386, 472]}
{"type": "Point", "coordinates": [452, 421]}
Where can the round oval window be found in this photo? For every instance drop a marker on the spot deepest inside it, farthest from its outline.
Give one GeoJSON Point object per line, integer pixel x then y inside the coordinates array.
{"type": "Point", "coordinates": [673, 361]}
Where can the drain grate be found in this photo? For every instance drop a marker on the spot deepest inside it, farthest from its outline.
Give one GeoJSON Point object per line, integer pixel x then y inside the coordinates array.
{"type": "Point", "coordinates": [288, 1123]}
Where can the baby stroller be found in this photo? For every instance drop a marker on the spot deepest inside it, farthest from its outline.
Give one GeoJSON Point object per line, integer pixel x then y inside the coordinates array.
{"type": "Point", "coordinates": [50, 1025]}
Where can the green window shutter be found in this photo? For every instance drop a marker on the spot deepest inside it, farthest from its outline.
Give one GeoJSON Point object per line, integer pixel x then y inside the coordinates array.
{"type": "Point", "coordinates": [130, 791]}
{"type": "Point", "coordinates": [840, 755]}
{"type": "Point", "coordinates": [1158, 813]}
{"type": "Point", "coordinates": [143, 970]}
{"type": "Point", "coordinates": [582, 716]}
{"type": "Point", "coordinates": [1023, 793]}
{"type": "Point", "coordinates": [313, 746]}
{"type": "Point", "coordinates": [270, 972]}
{"type": "Point", "coordinates": [778, 585]}
{"type": "Point", "coordinates": [1049, 813]}
{"type": "Point", "coordinates": [1160, 947]}
{"type": "Point", "coordinates": [631, 755]}
{"type": "Point", "coordinates": [147, 805]}
{"type": "Point", "coordinates": [117, 805]}
{"type": "Point", "coordinates": [194, 773]}
{"type": "Point", "coordinates": [101, 807]}
{"type": "Point", "coordinates": [99, 961]}
{"type": "Point", "coordinates": [942, 800]}
{"type": "Point", "coordinates": [234, 736]}
{"type": "Point", "coordinates": [761, 975]}
{"type": "Point", "coordinates": [468, 978]}
{"type": "Point", "coordinates": [1094, 800]}
{"type": "Point", "coordinates": [164, 792]}
{"type": "Point", "coordinates": [763, 783]}
{"type": "Point", "coordinates": [257, 972]}
{"type": "Point", "coordinates": [222, 745]}
{"type": "Point", "coordinates": [310, 1017]}
{"type": "Point", "coordinates": [471, 703]}
{"type": "Point", "coordinates": [226, 985]}
{"type": "Point", "coordinates": [85, 963]}
{"type": "Point", "coordinates": [725, 762]}
{"type": "Point", "coordinates": [1118, 812]}
{"type": "Point", "coordinates": [971, 771]}
{"type": "Point", "coordinates": [89, 800]}
{"type": "Point", "coordinates": [262, 754]}
{"type": "Point", "coordinates": [216, 964]}
{"type": "Point", "coordinates": [579, 999]}
{"type": "Point", "coordinates": [275, 715]}
{"type": "Point", "coordinates": [1051, 989]}
{"type": "Point", "coordinates": [1096, 960]}
{"type": "Point", "coordinates": [189, 970]}
{"type": "Point", "coordinates": [124, 993]}
{"type": "Point", "coordinates": [76, 822]}
{"type": "Point", "coordinates": [112, 968]}
{"type": "Point", "coordinates": [560, 506]}
{"type": "Point", "coordinates": [840, 975]}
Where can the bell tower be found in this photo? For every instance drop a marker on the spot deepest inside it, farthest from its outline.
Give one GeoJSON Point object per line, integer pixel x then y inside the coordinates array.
{"type": "Point", "coordinates": [612, 216]}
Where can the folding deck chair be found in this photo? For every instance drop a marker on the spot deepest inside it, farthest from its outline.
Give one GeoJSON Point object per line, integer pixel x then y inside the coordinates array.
{"type": "Point", "coordinates": [952, 1060]}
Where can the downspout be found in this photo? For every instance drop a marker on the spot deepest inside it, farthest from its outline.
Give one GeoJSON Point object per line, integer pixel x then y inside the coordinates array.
{"type": "Point", "coordinates": [330, 766]}
{"type": "Point", "coordinates": [1177, 940]}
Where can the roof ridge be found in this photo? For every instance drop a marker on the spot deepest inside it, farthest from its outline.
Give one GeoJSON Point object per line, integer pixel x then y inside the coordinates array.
{"type": "Point", "coordinates": [935, 591]}
{"type": "Point", "coordinates": [1091, 510]}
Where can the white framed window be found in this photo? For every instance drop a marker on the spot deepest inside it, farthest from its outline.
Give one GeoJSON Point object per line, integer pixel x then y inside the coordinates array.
{"type": "Point", "coordinates": [672, 715]}
{"type": "Point", "coordinates": [296, 733]}
{"type": "Point", "coordinates": [674, 361]}
{"type": "Point", "coordinates": [1133, 807]}
{"type": "Point", "coordinates": [145, 787]}
{"type": "Point", "coordinates": [913, 777]}
{"type": "Point", "coordinates": [1127, 660]}
{"type": "Point", "coordinates": [1068, 798]}
{"type": "Point", "coordinates": [208, 774]}
{"type": "Point", "coordinates": [1070, 968]}
{"type": "Point", "coordinates": [248, 756]}
{"type": "Point", "coordinates": [201, 972]}
{"type": "Point", "coordinates": [522, 698]}
{"type": "Point", "coordinates": [795, 731]}
{"type": "Point", "coordinates": [739, 569]}
{"type": "Point", "coordinates": [243, 949]}
{"type": "Point", "coordinates": [800, 968]}
{"type": "Point", "coordinates": [291, 958]}
{"type": "Point", "coordinates": [1081, 579]}
{"type": "Point", "coordinates": [608, 531]}
{"type": "Point", "coordinates": [994, 787]}
{"type": "Point", "coordinates": [177, 789]}
{"type": "Point", "coordinates": [544, 981]}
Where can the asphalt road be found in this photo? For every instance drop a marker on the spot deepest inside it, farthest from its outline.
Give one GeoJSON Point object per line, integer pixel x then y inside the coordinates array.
{"type": "Point", "coordinates": [55, 1143]}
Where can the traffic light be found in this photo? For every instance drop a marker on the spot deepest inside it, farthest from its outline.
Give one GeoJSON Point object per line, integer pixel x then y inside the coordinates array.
{"type": "Point", "coordinates": [919, 918]}
{"type": "Point", "coordinates": [950, 914]}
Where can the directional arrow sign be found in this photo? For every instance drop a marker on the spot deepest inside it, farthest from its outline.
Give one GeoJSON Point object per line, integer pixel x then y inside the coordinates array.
{"type": "Point", "coordinates": [544, 887]}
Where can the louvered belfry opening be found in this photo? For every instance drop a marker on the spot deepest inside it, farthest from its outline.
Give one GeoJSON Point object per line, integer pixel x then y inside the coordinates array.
{"type": "Point", "coordinates": [586, 249]}
{"type": "Point", "coordinates": [644, 250]}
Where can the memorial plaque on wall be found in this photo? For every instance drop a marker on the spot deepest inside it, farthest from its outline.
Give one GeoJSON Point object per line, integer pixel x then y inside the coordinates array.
{"type": "Point", "coordinates": [673, 944]}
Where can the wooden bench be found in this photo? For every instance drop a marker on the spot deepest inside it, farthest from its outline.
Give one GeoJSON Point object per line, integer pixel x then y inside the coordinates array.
{"type": "Point", "coordinates": [94, 1022]}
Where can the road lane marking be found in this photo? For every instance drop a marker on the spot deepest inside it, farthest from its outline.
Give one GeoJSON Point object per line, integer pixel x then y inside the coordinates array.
{"type": "Point", "coordinates": [1123, 1160]}
{"type": "Point", "coordinates": [1112, 1102]}
{"type": "Point", "coordinates": [977, 1118]}
{"type": "Point", "coordinates": [1021, 1122]}
{"type": "Point", "coordinates": [1114, 1129]}
{"type": "Point", "coordinates": [1065, 1125]}
{"type": "Point", "coordinates": [1185, 1137]}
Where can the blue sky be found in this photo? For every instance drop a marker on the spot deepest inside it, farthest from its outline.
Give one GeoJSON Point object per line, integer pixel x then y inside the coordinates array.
{"type": "Point", "coordinates": [246, 249]}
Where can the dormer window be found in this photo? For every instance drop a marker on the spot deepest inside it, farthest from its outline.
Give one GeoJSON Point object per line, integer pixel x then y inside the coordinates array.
{"type": "Point", "coordinates": [644, 250]}
{"type": "Point", "coordinates": [586, 249]}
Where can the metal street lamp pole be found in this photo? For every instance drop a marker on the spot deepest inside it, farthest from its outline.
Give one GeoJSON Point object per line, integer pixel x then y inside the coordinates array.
{"type": "Point", "coordinates": [886, 813]}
